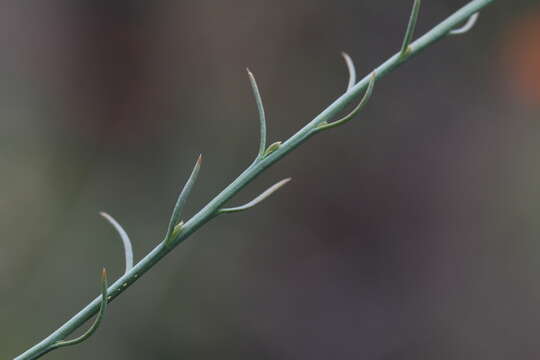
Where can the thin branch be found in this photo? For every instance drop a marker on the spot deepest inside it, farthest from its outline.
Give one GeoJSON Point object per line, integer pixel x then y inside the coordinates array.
{"type": "Point", "coordinates": [351, 69]}
{"type": "Point", "coordinates": [272, 189]}
{"type": "Point", "coordinates": [209, 211]}
{"type": "Point", "coordinates": [467, 26]}
{"type": "Point", "coordinates": [411, 26]}
{"type": "Point", "coordinates": [128, 249]}
{"type": "Point", "coordinates": [260, 109]}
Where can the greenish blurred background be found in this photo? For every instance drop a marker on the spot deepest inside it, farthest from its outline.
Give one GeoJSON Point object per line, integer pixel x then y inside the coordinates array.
{"type": "Point", "coordinates": [411, 233]}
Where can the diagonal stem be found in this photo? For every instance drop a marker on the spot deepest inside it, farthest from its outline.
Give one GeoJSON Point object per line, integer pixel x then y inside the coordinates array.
{"type": "Point", "coordinates": [210, 210]}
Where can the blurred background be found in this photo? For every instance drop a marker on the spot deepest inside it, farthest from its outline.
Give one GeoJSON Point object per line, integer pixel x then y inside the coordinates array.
{"type": "Point", "coordinates": [411, 233]}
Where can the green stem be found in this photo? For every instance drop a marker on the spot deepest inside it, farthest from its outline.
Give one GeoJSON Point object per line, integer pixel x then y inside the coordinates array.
{"type": "Point", "coordinates": [212, 208]}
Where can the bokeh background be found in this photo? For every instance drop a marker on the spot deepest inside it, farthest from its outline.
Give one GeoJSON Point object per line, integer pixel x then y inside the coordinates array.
{"type": "Point", "coordinates": [412, 233]}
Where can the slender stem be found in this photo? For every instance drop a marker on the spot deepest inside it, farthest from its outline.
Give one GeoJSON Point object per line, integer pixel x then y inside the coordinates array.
{"type": "Point", "coordinates": [211, 209]}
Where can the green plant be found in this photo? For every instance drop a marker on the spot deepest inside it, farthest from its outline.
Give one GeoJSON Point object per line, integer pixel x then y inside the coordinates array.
{"type": "Point", "coordinates": [178, 230]}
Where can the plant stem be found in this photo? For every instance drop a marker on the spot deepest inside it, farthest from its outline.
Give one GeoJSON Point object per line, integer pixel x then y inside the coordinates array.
{"type": "Point", "coordinates": [212, 208]}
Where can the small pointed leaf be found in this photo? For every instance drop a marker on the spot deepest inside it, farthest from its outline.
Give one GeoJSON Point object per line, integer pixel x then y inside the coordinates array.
{"type": "Point", "coordinates": [351, 69]}
{"type": "Point", "coordinates": [97, 321]}
{"type": "Point", "coordinates": [272, 189]}
{"type": "Point", "coordinates": [182, 198]}
{"type": "Point", "coordinates": [356, 110]}
{"type": "Point", "coordinates": [411, 26]}
{"type": "Point", "coordinates": [128, 249]}
{"type": "Point", "coordinates": [260, 108]}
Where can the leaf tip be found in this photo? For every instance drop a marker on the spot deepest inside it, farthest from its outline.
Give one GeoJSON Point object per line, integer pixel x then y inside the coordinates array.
{"type": "Point", "coordinates": [282, 183]}
{"type": "Point", "coordinates": [104, 282]}
{"type": "Point", "coordinates": [346, 56]}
